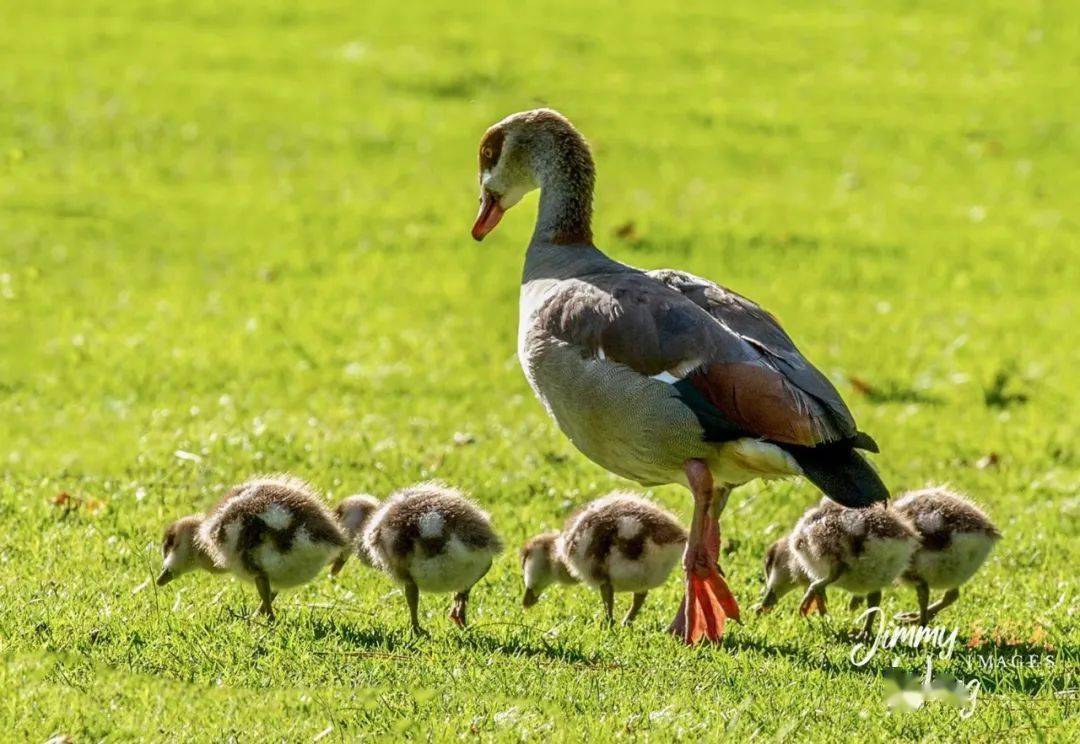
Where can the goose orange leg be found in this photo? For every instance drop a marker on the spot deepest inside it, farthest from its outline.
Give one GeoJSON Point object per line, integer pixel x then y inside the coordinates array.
{"type": "Point", "coordinates": [708, 601]}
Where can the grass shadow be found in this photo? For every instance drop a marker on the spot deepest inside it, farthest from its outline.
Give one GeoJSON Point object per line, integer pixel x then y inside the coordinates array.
{"type": "Point", "coordinates": [892, 392]}
{"type": "Point", "coordinates": [520, 645]}
{"type": "Point", "coordinates": [375, 641]}
{"type": "Point", "coordinates": [1001, 393]}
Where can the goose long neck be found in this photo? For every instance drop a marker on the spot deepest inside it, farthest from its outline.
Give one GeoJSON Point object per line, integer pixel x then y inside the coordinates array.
{"type": "Point", "coordinates": [564, 169]}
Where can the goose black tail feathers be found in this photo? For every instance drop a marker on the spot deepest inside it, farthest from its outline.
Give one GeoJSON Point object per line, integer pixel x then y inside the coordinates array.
{"type": "Point", "coordinates": [840, 472]}
{"type": "Point", "coordinates": [864, 441]}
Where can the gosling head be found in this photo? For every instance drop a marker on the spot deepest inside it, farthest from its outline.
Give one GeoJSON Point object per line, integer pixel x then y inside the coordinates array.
{"type": "Point", "coordinates": [782, 574]}
{"type": "Point", "coordinates": [354, 513]}
{"type": "Point", "coordinates": [181, 550]}
{"type": "Point", "coordinates": [542, 567]}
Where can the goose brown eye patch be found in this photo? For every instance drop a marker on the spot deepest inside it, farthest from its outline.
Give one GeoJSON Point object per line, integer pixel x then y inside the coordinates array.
{"type": "Point", "coordinates": [491, 148]}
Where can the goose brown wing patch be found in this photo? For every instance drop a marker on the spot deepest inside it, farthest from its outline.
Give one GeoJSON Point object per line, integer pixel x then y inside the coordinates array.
{"type": "Point", "coordinates": [759, 400]}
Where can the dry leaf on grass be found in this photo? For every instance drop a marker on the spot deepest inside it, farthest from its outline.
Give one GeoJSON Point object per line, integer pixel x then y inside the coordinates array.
{"type": "Point", "coordinates": [68, 503]}
{"type": "Point", "coordinates": [626, 231]}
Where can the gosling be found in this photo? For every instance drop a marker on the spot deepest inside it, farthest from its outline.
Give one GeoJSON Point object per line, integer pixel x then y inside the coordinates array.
{"type": "Point", "coordinates": [955, 539]}
{"type": "Point", "coordinates": [618, 543]}
{"type": "Point", "coordinates": [273, 531]}
{"type": "Point", "coordinates": [859, 550]}
{"type": "Point", "coordinates": [430, 538]}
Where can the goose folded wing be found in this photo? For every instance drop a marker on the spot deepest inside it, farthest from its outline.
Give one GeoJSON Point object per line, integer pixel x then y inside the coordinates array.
{"type": "Point", "coordinates": [759, 328]}
{"type": "Point", "coordinates": [728, 374]}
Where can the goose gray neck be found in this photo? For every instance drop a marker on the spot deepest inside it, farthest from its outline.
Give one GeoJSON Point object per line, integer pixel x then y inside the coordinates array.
{"type": "Point", "coordinates": [563, 167]}
{"type": "Point", "coordinates": [547, 260]}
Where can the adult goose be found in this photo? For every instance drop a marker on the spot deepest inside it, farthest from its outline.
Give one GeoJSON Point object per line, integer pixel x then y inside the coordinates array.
{"type": "Point", "coordinates": [660, 376]}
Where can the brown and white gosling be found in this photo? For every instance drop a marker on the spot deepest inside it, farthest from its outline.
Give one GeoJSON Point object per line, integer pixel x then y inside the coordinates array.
{"type": "Point", "coordinates": [353, 513]}
{"type": "Point", "coordinates": [618, 543]}
{"type": "Point", "coordinates": [859, 550]}
{"type": "Point", "coordinates": [273, 531]}
{"type": "Point", "coordinates": [430, 538]}
{"type": "Point", "coordinates": [955, 539]}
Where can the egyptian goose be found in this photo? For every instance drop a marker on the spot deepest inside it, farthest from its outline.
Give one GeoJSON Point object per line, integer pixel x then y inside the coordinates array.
{"type": "Point", "coordinates": [660, 376]}
{"type": "Point", "coordinates": [430, 538]}
{"type": "Point", "coordinates": [353, 514]}
{"type": "Point", "coordinates": [618, 543]}
{"type": "Point", "coordinates": [859, 550]}
{"type": "Point", "coordinates": [274, 532]}
{"type": "Point", "coordinates": [955, 539]}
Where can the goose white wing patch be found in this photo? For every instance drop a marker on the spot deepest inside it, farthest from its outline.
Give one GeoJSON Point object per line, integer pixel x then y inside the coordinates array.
{"type": "Point", "coordinates": [678, 372]}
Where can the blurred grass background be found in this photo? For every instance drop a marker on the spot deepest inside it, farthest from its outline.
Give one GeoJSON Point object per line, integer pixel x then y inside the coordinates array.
{"type": "Point", "coordinates": [239, 232]}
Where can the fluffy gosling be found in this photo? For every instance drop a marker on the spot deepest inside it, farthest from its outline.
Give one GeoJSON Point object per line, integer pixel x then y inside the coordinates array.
{"type": "Point", "coordinates": [274, 532]}
{"type": "Point", "coordinates": [955, 539]}
{"type": "Point", "coordinates": [618, 543]}
{"type": "Point", "coordinates": [859, 550]}
{"type": "Point", "coordinates": [430, 538]}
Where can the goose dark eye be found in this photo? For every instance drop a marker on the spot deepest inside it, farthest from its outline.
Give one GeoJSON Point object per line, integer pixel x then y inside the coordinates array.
{"type": "Point", "coordinates": [487, 153]}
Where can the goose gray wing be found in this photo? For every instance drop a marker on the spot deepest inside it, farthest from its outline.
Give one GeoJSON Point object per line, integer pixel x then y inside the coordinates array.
{"type": "Point", "coordinates": [741, 378]}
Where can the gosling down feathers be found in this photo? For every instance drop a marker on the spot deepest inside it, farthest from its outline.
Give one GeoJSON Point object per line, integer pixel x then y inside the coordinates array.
{"type": "Point", "coordinates": [660, 376]}
{"type": "Point", "coordinates": [274, 532]}
{"type": "Point", "coordinates": [431, 538]}
{"type": "Point", "coordinates": [618, 543]}
{"type": "Point", "coordinates": [955, 538]}
{"type": "Point", "coordinates": [859, 550]}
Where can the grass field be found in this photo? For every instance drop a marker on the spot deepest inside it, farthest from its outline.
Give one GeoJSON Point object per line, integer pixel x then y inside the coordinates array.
{"type": "Point", "coordinates": [235, 240]}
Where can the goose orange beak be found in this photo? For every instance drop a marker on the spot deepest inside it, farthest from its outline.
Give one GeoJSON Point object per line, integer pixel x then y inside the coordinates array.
{"type": "Point", "coordinates": [489, 215]}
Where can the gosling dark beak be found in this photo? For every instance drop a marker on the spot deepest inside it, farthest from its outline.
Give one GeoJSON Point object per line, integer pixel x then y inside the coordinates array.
{"type": "Point", "coordinates": [768, 602]}
{"type": "Point", "coordinates": [489, 215]}
{"type": "Point", "coordinates": [336, 567]}
{"type": "Point", "coordinates": [165, 577]}
{"type": "Point", "coordinates": [529, 599]}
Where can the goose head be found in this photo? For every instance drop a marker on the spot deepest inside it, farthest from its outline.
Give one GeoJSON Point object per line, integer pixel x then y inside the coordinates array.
{"type": "Point", "coordinates": [782, 574]}
{"type": "Point", "coordinates": [181, 550]}
{"type": "Point", "coordinates": [538, 149]}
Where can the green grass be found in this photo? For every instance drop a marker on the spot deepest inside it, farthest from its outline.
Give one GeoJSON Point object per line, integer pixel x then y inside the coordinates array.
{"type": "Point", "coordinates": [243, 233]}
